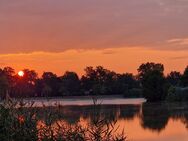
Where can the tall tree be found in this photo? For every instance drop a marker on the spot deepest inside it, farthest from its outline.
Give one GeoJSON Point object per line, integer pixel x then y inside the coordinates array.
{"type": "Point", "coordinates": [174, 78]}
{"type": "Point", "coordinates": [98, 80]}
{"type": "Point", "coordinates": [185, 77]}
{"type": "Point", "coordinates": [50, 84]}
{"type": "Point", "coordinates": [6, 80]}
{"type": "Point", "coordinates": [25, 85]}
{"type": "Point", "coordinates": [128, 80]}
{"type": "Point", "coordinates": [152, 79]}
{"type": "Point", "coordinates": [70, 84]}
{"type": "Point", "coordinates": [4, 85]}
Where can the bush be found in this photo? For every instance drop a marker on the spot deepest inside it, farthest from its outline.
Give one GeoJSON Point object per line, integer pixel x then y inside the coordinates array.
{"type": "Point", "coordinates": [18, 123]}
{"type": "Point", "coordinates": [177, 94]}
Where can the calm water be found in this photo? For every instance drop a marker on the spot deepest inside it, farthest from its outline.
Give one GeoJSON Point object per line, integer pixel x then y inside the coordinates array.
{"type": "Point", "coordinates": [140, 121]}
{"type": "Point", "coordinates": [39, 102]}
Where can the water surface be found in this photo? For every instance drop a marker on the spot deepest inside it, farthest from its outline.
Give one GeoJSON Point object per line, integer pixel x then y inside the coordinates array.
{"type": "Point", "coordinates": [140, 121]}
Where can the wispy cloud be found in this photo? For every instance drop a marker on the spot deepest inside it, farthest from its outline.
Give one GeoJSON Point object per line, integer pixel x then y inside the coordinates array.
{"type": "Point", "coordinates": [178, 41]}
{"type": "Point", "coordinates": [179, 57]}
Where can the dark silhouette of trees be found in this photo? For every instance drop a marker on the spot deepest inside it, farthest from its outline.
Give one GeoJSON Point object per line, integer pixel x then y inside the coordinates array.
{"type": "Point", "coordinates": [9, 73]}
{"type": "Point", "coordinates": [174, 78]}
{"type": "Point", "coordinates": [70, 84]}
{"type": "Point", "coordinates": [149, 67]}
{"type": "Point", "coordinates": [99, 81]}
{"type": "Point", "coordinates": [150, 83]}
{"type": "Point", "coordinates": [185, 77]}
{"type": "Point", "coordinates": [47, 86]}
{"type": "Point", "coordinates": [6, 81]}
{"type": "Point", "coordinates": [126, 84]}
{"type": "Point", "coordinates": [128, 80]}
{"type": "Point", "coordinates": [4, 85]}
{"type": "Point", "coordinates": [152, 79]}
{"type": "Point", "coordinates": [50, 84]}
{"type": "Point", "coordinates": [25, 86]}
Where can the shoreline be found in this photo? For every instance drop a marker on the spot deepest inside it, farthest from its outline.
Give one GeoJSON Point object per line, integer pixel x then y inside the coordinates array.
{"type": "Point", "coordinates": [80, 101]}
{"type": "Point", "coordinates": [73, 97]}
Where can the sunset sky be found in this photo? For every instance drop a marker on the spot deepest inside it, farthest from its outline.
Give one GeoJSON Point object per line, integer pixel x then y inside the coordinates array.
{"type": "Point", "coordinates": [60, 35]}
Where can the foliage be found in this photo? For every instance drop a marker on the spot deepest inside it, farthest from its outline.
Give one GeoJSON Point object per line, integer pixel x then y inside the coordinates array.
{"type": "Point", "coordinates": [3, 86]}
{"type": "Point", "coordinates": [185, 77]}
{"type": "Point", "coordinates": [177, 94]}
{"type": "Point", "coordinates": [50, 84]}
{"type": "Point", "coordinates": [99, 80]}
{"type": "Point", "coordinates": [174, 78]}
{"type": "Point", "coordinates": [70, 84]}
{"type": "Point", "coordinates": [148, 68]}
{"type": "Point", "coordinates": [18, 123]}
{"type": "Point", "coordinates": [6, 81]}
{"type": "Point", "coordinates": [133, 93]}
{"type": "Point", "coordinates": [126, 82]}
{"type": "Point", "coordinates": [152, 80]}
{"type": "Point", "coordinates": [24, 86]}
{"type": "Point", "coordinates": [96, 81]}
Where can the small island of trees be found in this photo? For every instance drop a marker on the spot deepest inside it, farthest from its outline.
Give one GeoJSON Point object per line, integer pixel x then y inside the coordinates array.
{"type": "Point", "coordinates": [150, 83]}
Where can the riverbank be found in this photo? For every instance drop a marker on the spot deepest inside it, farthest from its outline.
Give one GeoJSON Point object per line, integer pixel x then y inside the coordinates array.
{"type": "Point", "coordinates": [77, 97]}
{"type": "Point", "coordinates": [81, 100]}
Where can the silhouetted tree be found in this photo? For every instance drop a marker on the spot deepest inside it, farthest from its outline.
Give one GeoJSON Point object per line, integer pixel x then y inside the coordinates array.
{"type": "Point", "coordinates": [152, 79]}
{"type": "Point", "coordinates": [70, 84]}
{"type": "Point", "coordinates": [50, 84]}
{"type": "Point", "coordinates": [125, 82]}
{"type": "Point", "coordinates": [25, 86]}
{"type": "Point", "coordinates": [9, 73]}
{"type": "Point", "coordinates": [6, 81]}
{"type": "Point", "coordinates": [174, 78]}
{"type": "Point", "coordinates": [98, 80]}
{"type": "Point", "coordinates": [128, 79]}
{"type": "Point", "coordinates": [185, 77]}
{"type": "Point", "coordinates": [4, 85]}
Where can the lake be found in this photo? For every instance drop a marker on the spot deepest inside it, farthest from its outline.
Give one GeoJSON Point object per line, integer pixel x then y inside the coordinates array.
{"type": "Point", "coordinates": [140, 121]}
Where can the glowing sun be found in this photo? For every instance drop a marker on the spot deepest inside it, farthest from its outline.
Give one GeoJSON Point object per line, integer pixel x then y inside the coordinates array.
{"type": "Point", "coordinates": [21, 73]}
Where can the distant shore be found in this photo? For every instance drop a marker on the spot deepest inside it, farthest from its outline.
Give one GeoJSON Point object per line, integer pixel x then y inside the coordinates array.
{"type": "Point", "coordinates": [75, 97]}
{"type": "Point", "coordinates": [81, 100]}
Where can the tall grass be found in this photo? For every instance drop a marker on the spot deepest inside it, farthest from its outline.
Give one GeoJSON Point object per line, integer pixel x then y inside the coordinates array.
{"type": "Point", "coordinates": [18, 123]}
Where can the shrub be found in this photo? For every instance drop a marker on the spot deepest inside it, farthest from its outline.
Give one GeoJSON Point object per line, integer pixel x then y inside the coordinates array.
{"type": "Point", "coordinates": [177, 94]}
{"type": "Point", "coordinates": [18, 123]}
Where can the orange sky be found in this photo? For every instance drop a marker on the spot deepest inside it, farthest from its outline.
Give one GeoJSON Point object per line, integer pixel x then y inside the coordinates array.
{"type": "Point", "coordinates": [60, 35]}
{"type": "Point", "coordinates": [117, 59]}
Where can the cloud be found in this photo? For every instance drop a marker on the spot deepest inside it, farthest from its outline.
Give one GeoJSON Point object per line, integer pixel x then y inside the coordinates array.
{"type": "Point", "coordinates": [179, 41]}
{"type": "Point", "coordinates": [123, 60]}
{"type": "Point", "coordinates": [179, 58]}
{"type": "Point", "coordinates": [59, 25]}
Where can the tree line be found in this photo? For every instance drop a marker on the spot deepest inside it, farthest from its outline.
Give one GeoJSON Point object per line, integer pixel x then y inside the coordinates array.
{"type": "Point", "coordinates": [150, 82]}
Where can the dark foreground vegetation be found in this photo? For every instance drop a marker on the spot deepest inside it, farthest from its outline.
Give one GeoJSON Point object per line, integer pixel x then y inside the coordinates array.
{"type": "Point", "coordinates": [150, 83]}
{"type": "Point", "coordinates": [100, 122]}
{"type": "Point", "coordinates": [18, 123]}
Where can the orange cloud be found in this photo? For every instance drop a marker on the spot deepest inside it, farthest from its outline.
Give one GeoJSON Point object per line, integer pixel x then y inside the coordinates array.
{"type": "Point", "coordinates": [117, 59]}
